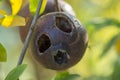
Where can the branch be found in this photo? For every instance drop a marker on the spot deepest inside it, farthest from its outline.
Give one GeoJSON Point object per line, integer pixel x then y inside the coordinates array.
{"type": "Point", "coordinates": [57, 5]}
{"type": "Point", "coordinates": [31, 29]}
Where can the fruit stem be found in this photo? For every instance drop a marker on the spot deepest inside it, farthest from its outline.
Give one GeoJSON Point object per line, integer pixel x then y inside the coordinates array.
{"type": "Point", "coordinates": [31, 29]}
{"type": "Point", "coordinates": [57, 5]}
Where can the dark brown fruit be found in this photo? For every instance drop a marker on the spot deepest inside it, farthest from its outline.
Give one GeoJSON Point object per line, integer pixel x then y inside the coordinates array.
{"type": "Point", "coordinates": [59, 41]}
{"type": "Point", "coordinates": [50, 7]}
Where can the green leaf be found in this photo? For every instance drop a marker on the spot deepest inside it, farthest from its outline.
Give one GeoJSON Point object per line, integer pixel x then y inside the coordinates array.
{"type": "Point", "coordinates": [66, 76]}
{"type": "Point", "coordinates": [34, 4]}
{"type": "Point", "coordinates": [109, 45]}
{"type": "Point", "coordinates": [99, 23]}
{"type": "Point", "coordinates": [16, 72]}
{"type": "Point", "coordinates": [3, 55]}
{"type": "Point", "coordinates": [72, 77]}
{"type": "Point", "coordinates": [61, 75]}
{"type": "Point", "coordinates": [116, 70]}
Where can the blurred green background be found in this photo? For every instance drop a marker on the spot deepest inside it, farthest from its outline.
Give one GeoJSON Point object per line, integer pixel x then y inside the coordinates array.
{"type": "Point", "coordinates": [102, 58]}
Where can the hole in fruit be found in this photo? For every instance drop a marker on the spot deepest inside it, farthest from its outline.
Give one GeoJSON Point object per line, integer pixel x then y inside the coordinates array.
{"type": "Point", "coordinates": [60, 57]}
{"type": "Point", "coordinates": [43, 43]}
{"type": "Point", "coordinates": [63, 24]}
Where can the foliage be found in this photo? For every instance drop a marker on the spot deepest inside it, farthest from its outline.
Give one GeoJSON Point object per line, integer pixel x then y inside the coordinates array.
{"type": "Point", "coordinates": [33, 6]}
{"type": "Point", "coordinates": [16, 72]}
{"type": "Point", "coordinates": [12, 20]}
{"type": "Point", "coordinates": [16, 5]}
{"type": "Point", "coordinates": [97, 16]}
{"type": "Point", "coordinates": [66, 76]}
{"type": "Point", "coordinates": [109, 44]}
{"type": "Point", "coordinates": [116, 71]}
{"type": "Point", "coordinates": [117, 45]}
{"type": "Point", "coordinates": [99, 23]}
{"type": "Point", "coordinates": [3, 55]}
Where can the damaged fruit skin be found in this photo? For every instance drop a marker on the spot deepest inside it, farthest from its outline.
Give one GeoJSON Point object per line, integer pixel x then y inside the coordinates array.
{"type": "Point", "coordinates": [64, 49]}
{"type": "Point", "coordinates": [70, 44]}
{"type": "Point", "coordinates": [50, 7]}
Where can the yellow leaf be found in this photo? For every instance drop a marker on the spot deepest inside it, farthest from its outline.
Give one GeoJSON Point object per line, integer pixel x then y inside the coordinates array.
{"type": "Point", "coordinates": [2, 12]}
{"type": "Point", "coordinates": [18, 21]}
{"type": "Point", "coordinates": [1, 19]}
{"type": "Point", "coordinates": [43, 6]}
{"type": "Point", "coordinates": [13, 21]}
{"type": "Point", "coordinates": [16, 5]}
{"type": "Point", "coordinates": [117, 45]}
{"type": "Point", "coordinates": [6, 22]}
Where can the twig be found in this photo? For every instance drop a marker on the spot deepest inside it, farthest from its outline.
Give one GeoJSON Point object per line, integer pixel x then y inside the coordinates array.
{"type": "Point", "coordinates": [27, 40]}
{"type": "Point", "coordinates": [57, 5]}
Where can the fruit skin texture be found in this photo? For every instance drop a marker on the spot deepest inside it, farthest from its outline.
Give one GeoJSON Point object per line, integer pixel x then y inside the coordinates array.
{"type": "Point", "coordinates": [70, 43]}
{"type": "Point", "coordinates": [72, 40]}
{"type": "Point", "coordinates": [50, 7]}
